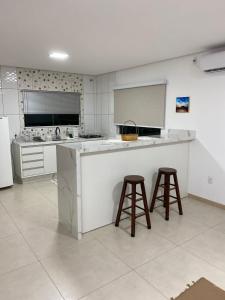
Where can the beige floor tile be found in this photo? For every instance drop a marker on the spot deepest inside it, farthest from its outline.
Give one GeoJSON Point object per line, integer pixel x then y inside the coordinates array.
{"type": "Point", "coordinates": [48, 183]}
{"type": "Point", "coordinates": [220, 227]}
{"type": "Point", "coordinates": [16, 189]}
{"type": "Point", "coordinates": [133, 251]}
{"type": "Point", "coordinates": [130, 286]}
{"type": "Point", "coordinates": [209, 246]}
{"type": "Point", "coordinates": [172, 271]}
{"type": "Point", "coordinates": [52, 196]}
{"type": "Point", "coordinates": [203, 213]}
{"type": "Point", "coordinates": [7, 226]}
{"type": "Point", "coordinates": [44, 216]}
{"type": "Point", "coordinates": [83, 269]}
{"type": "Point", "coordinates": [48, 189]}
{"type": "Point", "coordinates": [178, 229]}
{"type": "Point", "coordinates": [18, 201]}
{"type": "Point", "coordinates": [80, 267]}
{"type": "Point", "coordinates": [2, 210]}
{"type": "Point", "coordinates": [14, 253]}
{"type": "Point", "coordinates": [28, 283]}
{"type": "Point", "coordinates": [51, 241]}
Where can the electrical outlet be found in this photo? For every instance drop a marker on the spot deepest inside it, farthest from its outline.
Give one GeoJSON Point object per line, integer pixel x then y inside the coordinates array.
{"type": "Point", "coordinates": [210, 180]}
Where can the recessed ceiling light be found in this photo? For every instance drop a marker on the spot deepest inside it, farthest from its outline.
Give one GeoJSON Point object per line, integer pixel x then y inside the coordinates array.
{"type": "Point", "coordinates": [58, 55]}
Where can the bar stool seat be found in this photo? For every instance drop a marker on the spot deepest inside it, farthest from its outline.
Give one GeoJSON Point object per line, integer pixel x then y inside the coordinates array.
{"type": "Point", "coordinates": [167, 187]}
{"type": "Point", "coordinates": [133, 180]}
{"type": "Point", "coordinates": [167, 171]}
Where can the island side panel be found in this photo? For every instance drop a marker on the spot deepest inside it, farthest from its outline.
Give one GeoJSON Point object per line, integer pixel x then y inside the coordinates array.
{"type": "Point", "coordinates": [103, 172]}
{"type": "Point", "coordinates": [68, 177]}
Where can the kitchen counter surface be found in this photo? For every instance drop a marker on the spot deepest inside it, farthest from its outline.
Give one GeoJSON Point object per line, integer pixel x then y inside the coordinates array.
{"type": "Point", "coordinates": [173, 136]}
{"type": "Point", "coordinates": [23, 143]}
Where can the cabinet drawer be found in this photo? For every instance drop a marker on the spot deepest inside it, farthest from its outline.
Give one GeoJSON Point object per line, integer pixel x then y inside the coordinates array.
{"type": "Point", "coordinates": [30, 150]}
{"type": "Point", "coordinates": [31, 157]}
{"type": "Point", "coordinates": [33, 172]}
{"type": "Point", "coordinates": [33, 164]}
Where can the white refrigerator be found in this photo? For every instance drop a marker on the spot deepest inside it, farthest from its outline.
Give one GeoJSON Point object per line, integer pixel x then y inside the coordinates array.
{"type": "Point", "coordinates": [6, 177]}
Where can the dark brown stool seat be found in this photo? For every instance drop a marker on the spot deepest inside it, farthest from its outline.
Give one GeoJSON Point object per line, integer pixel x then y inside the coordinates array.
{"type": "Point", "coordinates": [167, 170]}
{"type": "Point", "coordinates": [167, 187]}
{"type": "Point", "coordinates": [133, 180]}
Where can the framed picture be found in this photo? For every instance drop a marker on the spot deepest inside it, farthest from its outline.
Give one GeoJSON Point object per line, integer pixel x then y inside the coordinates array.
{"type": "Point", "coordinates": [182, 104]}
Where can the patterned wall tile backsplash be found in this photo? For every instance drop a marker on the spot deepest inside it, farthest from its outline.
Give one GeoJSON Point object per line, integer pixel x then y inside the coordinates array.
{"type": "Point", "coordinates": [32, 79]}
{"type": "Point", "coordinates": [96, 98]}
{"type": "Point", "coordinates": [49, 80]}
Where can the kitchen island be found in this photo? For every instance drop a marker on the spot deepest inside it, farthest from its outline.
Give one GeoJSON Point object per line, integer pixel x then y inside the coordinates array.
{"type": "Point", "coordinates": [90, 175]}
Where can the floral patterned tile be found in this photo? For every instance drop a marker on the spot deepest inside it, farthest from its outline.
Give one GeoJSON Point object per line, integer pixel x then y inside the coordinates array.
{"type": "Point", "coordinates": [48, 81]}
{"type": "Point", "coordinates": [65, 82]}
{"type": "Point", "coordinates": [53, 81]}
{"type": "Point", "coordinates": [77, 83]}
{"type": "Point", "coordinates": [24, 78]}
{"type": "Point", "coordinates": [40, 80]}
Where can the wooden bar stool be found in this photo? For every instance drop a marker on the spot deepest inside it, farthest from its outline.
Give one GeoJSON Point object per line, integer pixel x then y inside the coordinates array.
{"type": "Point", "coordinates": [134, 180]}
{"type": "Point", "coordinates": [167, 187]}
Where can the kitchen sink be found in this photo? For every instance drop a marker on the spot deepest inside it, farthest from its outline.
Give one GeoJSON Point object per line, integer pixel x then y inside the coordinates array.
{"type": "Point", "coordinates": [57, 139]}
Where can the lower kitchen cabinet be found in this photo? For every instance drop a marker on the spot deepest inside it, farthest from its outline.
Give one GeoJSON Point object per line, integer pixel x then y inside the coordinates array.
{"type": "Point", "coordinates": [30, 161]}
{"type": "Point", "coordinates": [35, 159]}
{"type": "Point", "coordinates": [50, 159]}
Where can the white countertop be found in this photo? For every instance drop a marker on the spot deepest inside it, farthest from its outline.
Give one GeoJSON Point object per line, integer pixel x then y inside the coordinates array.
{"type": "Point", "coordinates": [173, 136]}
{"type": "Point", "coordinates": [23, 143]}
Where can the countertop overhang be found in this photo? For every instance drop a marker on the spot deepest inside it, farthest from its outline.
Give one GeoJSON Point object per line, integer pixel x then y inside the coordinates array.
{"type": "Point", "coordinates": [173, 136]}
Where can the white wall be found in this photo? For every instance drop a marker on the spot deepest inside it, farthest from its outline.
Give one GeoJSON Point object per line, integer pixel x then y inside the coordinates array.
{"type": "Point", "coordinates": [89, 104]}
{"type": "Point", "coordinates": [207, 116]}
{"type": "Point", "coordinates": [98, 104]}
{"type": "Point", "coordinates": [105, 104]}
{"type": "Point", "coordinates": [9, 98]}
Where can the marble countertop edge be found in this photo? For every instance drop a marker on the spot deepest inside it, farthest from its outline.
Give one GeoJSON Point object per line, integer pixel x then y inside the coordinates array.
{"type": "Point", "coordinates": [116, 144]}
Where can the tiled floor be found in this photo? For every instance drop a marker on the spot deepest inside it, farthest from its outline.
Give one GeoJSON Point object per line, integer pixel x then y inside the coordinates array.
{"type": "Point", "coordinates": [40, 260]}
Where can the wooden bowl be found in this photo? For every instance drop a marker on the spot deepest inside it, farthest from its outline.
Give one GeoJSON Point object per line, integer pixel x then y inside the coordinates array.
{"type": "Point", "coordinates": [129, 137]}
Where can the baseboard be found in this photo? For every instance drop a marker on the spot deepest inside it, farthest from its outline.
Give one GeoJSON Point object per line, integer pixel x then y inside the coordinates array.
{"type": "Point", "coordinates": [35, 178]}
{"type": "Point", "coordinates": [207, 201]}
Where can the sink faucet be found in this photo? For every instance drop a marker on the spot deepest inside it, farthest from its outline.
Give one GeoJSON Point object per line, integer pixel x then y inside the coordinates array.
{"type": "Point", "coordinates": [57, 132]}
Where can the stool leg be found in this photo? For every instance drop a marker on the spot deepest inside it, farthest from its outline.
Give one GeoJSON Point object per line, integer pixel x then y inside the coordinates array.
{"type": "Point", "coordinates": [178, 194]}
{"type": "Point", "coordinates": [167, 195]}
{"type": "Point", "coordinates": [164, 192]}
{"type": "Point", "coordinates": [122, 197]}
{"type": "Point", "coordinates": [133, 210]}
{"type": "Point", "coordinates": [145, 205]}
{"type": "Point", "coordinates": [155, 192]}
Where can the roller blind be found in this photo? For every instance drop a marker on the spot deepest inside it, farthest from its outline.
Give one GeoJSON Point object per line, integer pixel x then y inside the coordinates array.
{"type": "Point", "coordinates": [43, 102]}
{"type": "Point", "coordinates": [144, 105]}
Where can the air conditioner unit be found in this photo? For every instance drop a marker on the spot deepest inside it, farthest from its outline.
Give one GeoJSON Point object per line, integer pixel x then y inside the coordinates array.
{"type": "Point", "coordinates": [213, 62]}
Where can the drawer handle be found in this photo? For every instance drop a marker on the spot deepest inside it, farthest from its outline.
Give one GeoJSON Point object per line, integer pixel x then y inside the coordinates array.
{"type": "Point", "coordinates": [33, 168]}
{"type": "Point", "coordinates": [33, 160]}
{"type": "Point", "coordinates": [32, 153]}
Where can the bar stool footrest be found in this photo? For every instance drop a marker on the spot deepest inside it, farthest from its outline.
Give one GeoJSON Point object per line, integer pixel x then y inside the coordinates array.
{"type": "Point", "coordinates": [130, 194]}
{"type": "Point", "coordinates": [136, 216]}
{"type": "Point", "coordinates": [138, 199]}
{"type": "Point", "coordinates": [129, 207]}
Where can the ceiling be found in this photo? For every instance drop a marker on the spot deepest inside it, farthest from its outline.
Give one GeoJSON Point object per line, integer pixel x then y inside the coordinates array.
{"type": "Point", "coordinates": [106, 35]}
